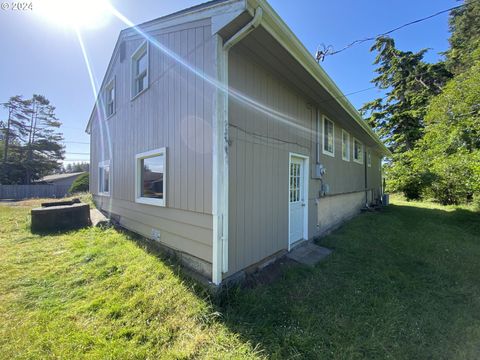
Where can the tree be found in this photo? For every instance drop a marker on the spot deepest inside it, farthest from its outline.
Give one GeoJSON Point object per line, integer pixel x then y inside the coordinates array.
{"type": "Point", "coordinates": [14, 128]}
{"type": "Point", "coordinates": [44, 150]}
{"type": "Point", "coordinates": [81, 184]}
{"type": "Point", "coordinates": [410, 83]}
{"type": "Point", "coordinates": [450, 150]}
{"type": "Point", "coordinates": [31, 143]}
{"type": "Point", "coordinates": [465, 37]}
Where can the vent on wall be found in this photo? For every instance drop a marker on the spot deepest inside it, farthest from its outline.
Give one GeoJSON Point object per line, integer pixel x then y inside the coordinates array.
{"type": "Point", "coordinates": [122, 51]}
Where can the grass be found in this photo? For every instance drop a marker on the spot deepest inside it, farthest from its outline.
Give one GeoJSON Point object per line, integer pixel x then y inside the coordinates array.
{"type": "Point", "coordinates": [401, 284]}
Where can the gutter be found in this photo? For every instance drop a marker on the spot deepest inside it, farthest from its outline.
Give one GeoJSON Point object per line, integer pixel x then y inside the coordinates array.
{"type": "Point", "coordinates": [247, 29]}
{"type": "Point", "coordinates": [220, 180]}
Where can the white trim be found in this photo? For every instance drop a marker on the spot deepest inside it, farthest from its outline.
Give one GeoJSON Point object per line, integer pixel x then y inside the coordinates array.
{"type": "Point", "coordinates": [144, 47]}
{"type": "Point", "coordinates": [360, 152]}
{"type": "Point", "coordinates": [145, 155]}
{"type": "Point", "coordinates": [101, 165]}
{"type": "Point", "coordinates": [110, 85]}
{"type": "Point", "coordinates": [324, 151]}
{"type": "Point", "coordinates": [347, 142]}
{"type": "Point", "coordinates": [220, 166]}
{"type": "Point", "coordinates": [282, 33]}
{"type": "Point", "coordinates": [306, 178]}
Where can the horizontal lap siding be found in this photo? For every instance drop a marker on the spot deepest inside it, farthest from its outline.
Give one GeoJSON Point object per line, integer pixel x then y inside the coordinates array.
{"type": "Point", "coordinates": [174, 112]}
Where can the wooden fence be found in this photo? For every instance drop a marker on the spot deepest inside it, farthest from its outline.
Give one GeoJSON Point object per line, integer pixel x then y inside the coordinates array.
{"type": "Point", "coordinates": [20, 192]}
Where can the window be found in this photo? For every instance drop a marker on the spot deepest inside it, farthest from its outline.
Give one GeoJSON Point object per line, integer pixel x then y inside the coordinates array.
{"type": "Point", "coordinates": [328, 137]}
{"type": "Point", "coordinates": [104, 177]}
{"type": "Point", "coordinates": [357, 151]}
{"type": "Point", "coordinates": [345, 145]}
{"type": "Point", "coordinates": [369, 159]}
{"type": "Point", "coordinates": [140, 70]}
{"type": "Point", "coordinates": [150, 177]}
{"type": "Point", "coordinates": [110, 98]}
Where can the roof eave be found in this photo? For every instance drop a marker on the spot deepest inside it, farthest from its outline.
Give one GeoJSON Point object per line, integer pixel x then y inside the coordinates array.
{"type": "Point", "coordinates": [282, 33]}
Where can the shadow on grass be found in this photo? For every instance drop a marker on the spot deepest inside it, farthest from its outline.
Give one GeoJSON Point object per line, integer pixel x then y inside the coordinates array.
{"type": "Point", "coordinates": [402, 283]}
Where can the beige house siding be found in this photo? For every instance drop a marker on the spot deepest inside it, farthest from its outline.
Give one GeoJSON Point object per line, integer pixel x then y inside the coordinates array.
{"type": "Point", "coordinates": [259, 158]}
{"type": "Point", "coordinates": [174, 112]}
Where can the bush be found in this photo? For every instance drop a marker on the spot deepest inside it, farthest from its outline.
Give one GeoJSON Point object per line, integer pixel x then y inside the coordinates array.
{"type": "Point", "coordinates": [81, 184]}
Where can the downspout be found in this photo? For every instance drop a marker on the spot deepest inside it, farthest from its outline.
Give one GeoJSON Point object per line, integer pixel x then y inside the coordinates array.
{"type": "Point", "coordinates": [247, 29]}
{"type": "Point", "coordinates": [366, 179]}
{"type": "Point", "coordinates": [220, 179]}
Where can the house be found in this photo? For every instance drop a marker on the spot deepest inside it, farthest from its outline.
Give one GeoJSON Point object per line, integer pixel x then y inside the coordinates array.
{"type": "Point", "coordinates": [60, 179]}
{"type": "Point", "coordinates": [218, 135]}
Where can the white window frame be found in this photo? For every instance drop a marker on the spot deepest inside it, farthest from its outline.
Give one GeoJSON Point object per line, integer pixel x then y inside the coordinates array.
{"type": "Point", "coordinates": [101, 166]}
{"type": "Point", "coordinates": [369, 159]}
{"type": "Point", "coordinates": [108, 87]}
{"type": "Point", "coordinates": [138, 170]}
{"type": "Point", "coordinates": [326, 152]}
{"type": "Point", "coordinates": [143, 48]}
{"type": "Point", "coordinates": [347, 143]}
{"type": "Point", "coordinates": [361, 152]}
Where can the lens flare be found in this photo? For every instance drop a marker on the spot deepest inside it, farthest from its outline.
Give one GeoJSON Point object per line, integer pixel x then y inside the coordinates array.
{"type": "Point", "coordinates": [83, 14]}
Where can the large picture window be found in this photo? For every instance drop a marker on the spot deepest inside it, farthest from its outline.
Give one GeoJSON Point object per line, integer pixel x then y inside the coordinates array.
{"type": "Point", "coordinates": [357, 151]}
{"type": "Point", "coordinates": [140, 70]}
{"type": "Point", "coordinates": [345, 145]}
{"type": "Point", "coordinates": [150, 177]}
{"type": "Point", "coordinates": [328, 137]}
{"type": "Point", "coordinates": [104, 177]}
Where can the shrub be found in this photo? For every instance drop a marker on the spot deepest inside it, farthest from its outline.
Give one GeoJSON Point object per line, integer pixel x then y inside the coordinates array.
{"type": "Point", "coordinates": [81, 184]}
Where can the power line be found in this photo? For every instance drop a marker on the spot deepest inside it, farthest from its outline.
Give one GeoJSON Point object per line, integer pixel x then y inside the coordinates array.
{"type": "Point", "coordinates": [328, 50]}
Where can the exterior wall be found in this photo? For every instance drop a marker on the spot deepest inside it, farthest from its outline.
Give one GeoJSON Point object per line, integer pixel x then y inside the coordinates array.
{"type": "Point", "coordinates": [174, 112]}
{"type": "Point", "coordinates": [259, 158]}
{"type": "Point", "coordinates": [333, 210]}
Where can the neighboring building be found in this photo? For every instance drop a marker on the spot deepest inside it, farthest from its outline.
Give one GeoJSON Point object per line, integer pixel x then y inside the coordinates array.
{"type": "Point", "coordinates": [228, 181]}
{"type": "Point", "coordinates": [60, 179]}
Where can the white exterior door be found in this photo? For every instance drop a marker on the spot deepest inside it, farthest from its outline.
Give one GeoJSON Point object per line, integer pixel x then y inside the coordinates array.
{"type": "Point", "coordinates": [297, 200]}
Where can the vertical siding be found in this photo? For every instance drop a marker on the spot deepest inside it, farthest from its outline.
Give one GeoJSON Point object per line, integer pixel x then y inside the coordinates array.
{"type": "Point", "coordinates": [174, 112]}
{"type": "Point", "coordinates": [259, 157]}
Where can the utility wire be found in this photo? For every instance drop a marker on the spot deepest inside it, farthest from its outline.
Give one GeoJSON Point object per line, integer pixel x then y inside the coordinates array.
{"type": "Point", "coordinates": [328, 50]}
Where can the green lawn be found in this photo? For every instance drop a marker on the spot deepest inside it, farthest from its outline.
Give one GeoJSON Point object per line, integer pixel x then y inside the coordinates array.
{"type": "Point", "coordinates": [402, 284]}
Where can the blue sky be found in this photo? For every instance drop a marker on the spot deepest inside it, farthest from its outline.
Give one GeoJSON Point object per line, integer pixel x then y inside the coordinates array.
{"type": "Point", "coordinates": [38, 57]}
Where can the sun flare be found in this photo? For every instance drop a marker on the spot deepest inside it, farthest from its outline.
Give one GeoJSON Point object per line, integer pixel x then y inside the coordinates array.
{"type": "Point", "coordinates": [79, 14]}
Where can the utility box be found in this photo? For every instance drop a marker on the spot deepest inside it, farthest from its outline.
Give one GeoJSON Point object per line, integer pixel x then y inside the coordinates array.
{"type": "Point", "coordinates": [385, 199]}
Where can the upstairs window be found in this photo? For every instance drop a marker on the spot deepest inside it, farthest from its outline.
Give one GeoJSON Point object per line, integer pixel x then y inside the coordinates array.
{"type": "Point", "coordinates": [150, 177]}
{"type": "Point", "coordinates": [104, 177]}
{"type": "Point", "coordinates": [110, 98]}
{"type": "Point", "coordinates": [328, 137]}
{"type": "Point", "coordinates": [345, 145]}
{"type": "Point", "coordinates": [369, 159]}
{"type": "Point", "coordinates": [140, 70]}
{"type": "Point", "coordinates": [357, 151]}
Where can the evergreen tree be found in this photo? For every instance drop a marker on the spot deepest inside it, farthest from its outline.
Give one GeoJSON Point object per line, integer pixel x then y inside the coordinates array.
{"type": "Point", "coordinates": [44, 148]}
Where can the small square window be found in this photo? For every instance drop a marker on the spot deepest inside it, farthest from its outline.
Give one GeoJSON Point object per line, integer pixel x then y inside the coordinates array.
{"type": "Point", "coordinates": [345, 145]}
{"type": "Point", "coordinates": [151, 176]}
{"type": "Point", "coordinates": [110, 99]}
{"type": "Point", "coordinates": [104, 177]}
{"type": "Point", "coordinates": [357, 151]}
{"type": "Point", "coordinates": [328, 137]}
{"type": "Point", "coordinates": [140, 70]}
